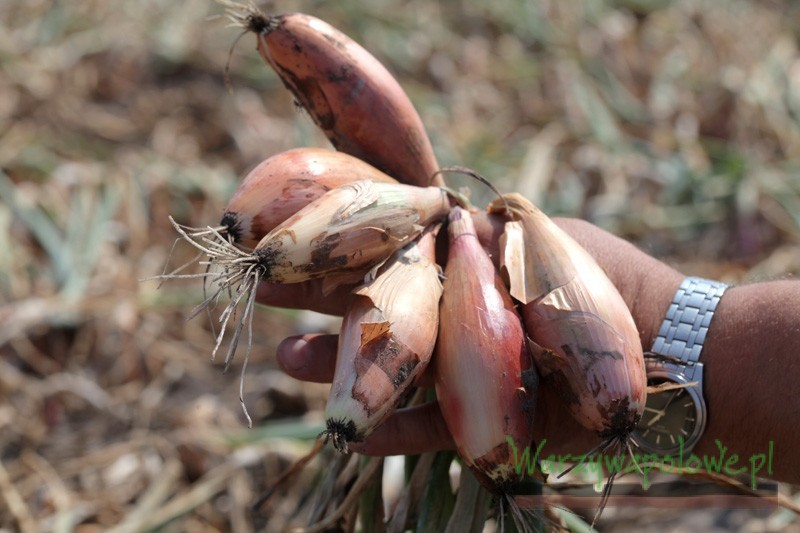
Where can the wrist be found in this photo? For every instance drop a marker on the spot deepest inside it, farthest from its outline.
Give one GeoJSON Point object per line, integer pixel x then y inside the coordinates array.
{"type": "Point", "coordinates": [675, 420]}
{"type": "Point", "coordinates": [751, 372]}
{"type": "Point", "coordinates": [650, 297]}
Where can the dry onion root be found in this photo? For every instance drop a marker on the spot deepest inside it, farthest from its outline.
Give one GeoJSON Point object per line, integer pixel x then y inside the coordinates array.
{"type": "Point", "coordinates": [350, 94]}
{"type": "Point", "coordinates": [345, 235]}
{"type": "Point", "coordinates": [583, 337]}
{"type": "Point", "coordinates": [485, 378]}
{"type": "Point", "coordinates": [386, 342]}
{"type": "Point", "coordinates": [282, 185]}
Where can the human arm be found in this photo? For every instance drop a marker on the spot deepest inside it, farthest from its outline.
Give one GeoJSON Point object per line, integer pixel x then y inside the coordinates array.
{"type": "Point", "coordinates": [751, 364]}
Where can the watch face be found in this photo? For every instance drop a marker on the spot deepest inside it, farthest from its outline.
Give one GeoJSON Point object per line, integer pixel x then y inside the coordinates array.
{"type": "Point", "coordinates": [668, 417]}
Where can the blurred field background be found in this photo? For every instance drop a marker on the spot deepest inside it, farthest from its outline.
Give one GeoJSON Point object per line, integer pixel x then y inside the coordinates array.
{"type": "Point", "coordinates": [675, 124]}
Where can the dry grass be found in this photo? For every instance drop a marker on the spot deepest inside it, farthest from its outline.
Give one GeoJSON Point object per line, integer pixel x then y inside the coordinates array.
{"type": "Point", "coordinates": [674, 124]}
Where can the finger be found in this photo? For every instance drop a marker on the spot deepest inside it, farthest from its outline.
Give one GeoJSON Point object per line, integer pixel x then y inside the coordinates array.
{"type": "Point", "coordinates": [309, 357]}
{"type": "Point", "coordinates": [408, 431]}
{"type": "Point", "coordinates": [305, 295]}
{"type": "Point", "coordinates": [313, 358]}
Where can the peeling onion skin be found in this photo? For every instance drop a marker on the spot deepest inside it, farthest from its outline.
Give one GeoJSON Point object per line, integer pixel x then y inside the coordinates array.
{"type": "Point", "coordinates": [485, 379]}
{"type": "Point", "coordinates": [386, 342]}
{"type": "Point", "coordinates": [348, 231]}
{"type": "Point", "coordinates": [281, 185]}
{"type": "Point", "coordinates": [583, 337]}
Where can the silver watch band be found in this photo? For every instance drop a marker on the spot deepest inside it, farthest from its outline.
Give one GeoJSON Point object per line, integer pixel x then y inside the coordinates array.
{"type": "Point", "coordinates": [684, 329]}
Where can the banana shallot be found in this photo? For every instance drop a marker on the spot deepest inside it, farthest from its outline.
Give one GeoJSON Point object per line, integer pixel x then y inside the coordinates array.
{"type": "Point", "coordinates": [582, 335]}
{"type": "Point", "coordinates": [386, 341]}
{"type": "Point", "coordinates": [348, 92]}
{"type": "Point", "coordinates": [587, 341]}
{"type": "Point", "coordinates": [348, 230]}
{"type": "Point", "coordinates": [485, 378]}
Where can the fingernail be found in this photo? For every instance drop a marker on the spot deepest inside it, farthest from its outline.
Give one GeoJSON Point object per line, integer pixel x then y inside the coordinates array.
{"type": "Point", "coordinates": [292, 354]}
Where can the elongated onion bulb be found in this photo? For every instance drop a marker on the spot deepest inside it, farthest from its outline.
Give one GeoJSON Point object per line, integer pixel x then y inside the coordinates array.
{"type": "Point", "coordinates": [485, 379]}
{"type": "Point", "coordinates": [348, 229]}
{"type": "Point", "coordinates": [349, 94]}
{"type": "Point", "coordinates": [386, 341]}
{"type": "Point", "coordinates": [585, 339]}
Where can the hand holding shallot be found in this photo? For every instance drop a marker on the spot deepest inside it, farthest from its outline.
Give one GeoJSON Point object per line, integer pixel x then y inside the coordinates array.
{"type": "Point", "coordinates": [420, 429]}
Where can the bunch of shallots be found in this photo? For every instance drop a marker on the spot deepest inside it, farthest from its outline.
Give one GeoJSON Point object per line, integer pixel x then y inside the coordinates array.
{"type": "Point", "coordinates": [365, 218]}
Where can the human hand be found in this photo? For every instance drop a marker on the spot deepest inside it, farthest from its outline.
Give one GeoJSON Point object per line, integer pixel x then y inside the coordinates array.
{"type": "Point", "coordinates": [646, 284]}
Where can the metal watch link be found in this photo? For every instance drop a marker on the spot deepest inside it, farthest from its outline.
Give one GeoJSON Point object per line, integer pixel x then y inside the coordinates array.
{"type": "Point", "coordinates": [674, 420]}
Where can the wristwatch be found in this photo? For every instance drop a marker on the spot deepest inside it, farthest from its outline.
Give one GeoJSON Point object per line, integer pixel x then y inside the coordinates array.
{"type": "Point", "coordinates": [674, 419]}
